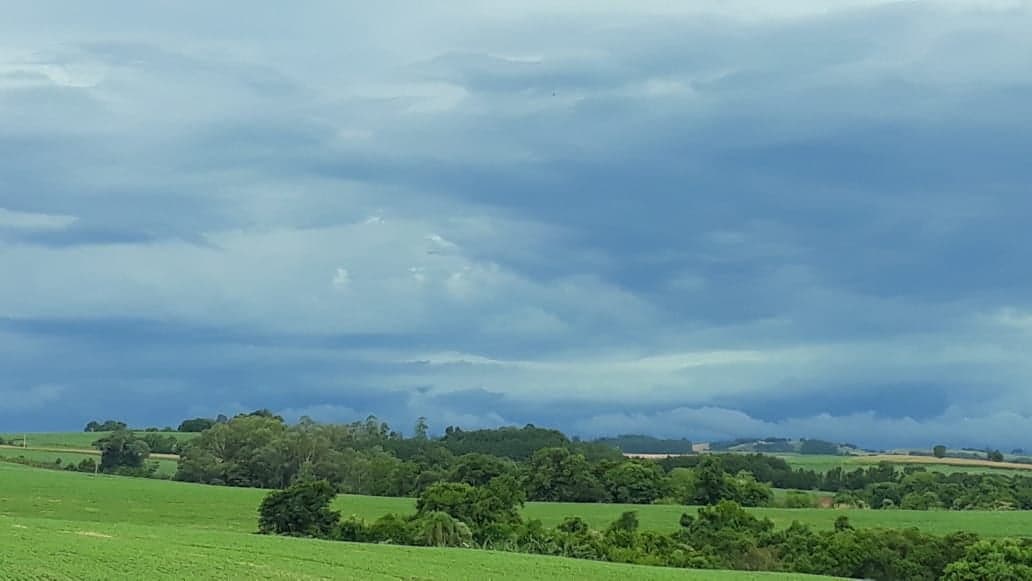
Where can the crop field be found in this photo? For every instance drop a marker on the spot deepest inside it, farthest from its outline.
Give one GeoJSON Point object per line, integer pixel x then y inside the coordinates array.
{"type": "Point", "coordinates": [57, 525]}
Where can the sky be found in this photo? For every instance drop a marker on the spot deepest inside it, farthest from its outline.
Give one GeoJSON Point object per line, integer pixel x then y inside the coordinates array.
{"type": "Point", "coordinates": [685, 219]}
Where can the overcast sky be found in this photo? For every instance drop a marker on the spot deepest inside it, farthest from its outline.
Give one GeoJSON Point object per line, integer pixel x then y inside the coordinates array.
{"type": "Point", "coordinates": [767, 218]}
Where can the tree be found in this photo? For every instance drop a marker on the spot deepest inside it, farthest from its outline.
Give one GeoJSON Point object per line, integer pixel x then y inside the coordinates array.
{"type": "Point", "coordinates": [246, 451]}
{"type": "Point", "coordinates": [679, 485]}
{"type": "Point", "coordinates": [479, 507]}
{"type": "Point", "coordinates": [558, 475]}
{"type": "Point", "coordinates": [93, 426]}
{"type": "Point", "coordinates": [196, 425]}
{"type": "Point", "coordinates": [122, 449]}
{"type": "Point", "coordinates": [712, 486]}
{"type": "Point", "coordinates": [421, 430]}
{"type": "Point", "coordinates": [633, 482]}
{"type": "Point", "coordinates": [479, 469]}
{"type": "Point", "coordinates": [439, 529]}
{"type": "Point", "coordinates": [301, 510]}
{"type": "Point", "coordinates": [939, 451]}
{"type": "Point", "coordinates": [995, 456]}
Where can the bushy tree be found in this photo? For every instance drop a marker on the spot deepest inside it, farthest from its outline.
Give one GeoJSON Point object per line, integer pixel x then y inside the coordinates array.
{"type": "Point", "coordinates": [711, 485]}
{"type": "Point", "coordinates": [121, 449]}
{"type": "Point", "coordinates": [633, 482]}
{"type": "Point", "coordinates": [558, 475]}
{"type": "Point", "coordinates": [301, 510]}
{"type": "Point", "coordinates": [939, 451]}
{"type": "Point", "coordinates": [479, 507]}
{"type": "Point", "coordinates": [479, 469]}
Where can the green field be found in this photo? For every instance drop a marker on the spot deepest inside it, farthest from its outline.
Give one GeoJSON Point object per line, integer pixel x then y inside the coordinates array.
{"type": "Point", "coordinates": [108, 499]}
{"type": "Point", "coordinates": [73, 440]}
{"type": "Point", "coordinates": [60, 525]}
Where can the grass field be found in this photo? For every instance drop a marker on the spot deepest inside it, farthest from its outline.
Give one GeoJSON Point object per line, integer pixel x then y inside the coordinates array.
{"type": "Point", "coordinates": [107, 499]}
{"type": "Point", "coordinates": [58, 525]}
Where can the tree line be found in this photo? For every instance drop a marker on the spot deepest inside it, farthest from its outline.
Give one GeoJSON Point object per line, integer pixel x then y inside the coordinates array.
{"type": "Point", "coordinates": [259, 449]}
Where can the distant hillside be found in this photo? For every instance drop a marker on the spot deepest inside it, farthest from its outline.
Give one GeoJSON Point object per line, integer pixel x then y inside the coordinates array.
{"type": "Point", "coordinates": [641, 444]}
{"type": "Point", "coordinates": [785, 446]}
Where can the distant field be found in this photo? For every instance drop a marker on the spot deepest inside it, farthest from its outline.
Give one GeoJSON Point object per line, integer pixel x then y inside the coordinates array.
{"type": "Point", "coordinates": [58, 525]}
{"type": "Point", "coordinates": [81, 497]}
{"type": "Point", "coordinates": [823, 463]}
{"type": "Point", "coordinates": [165, 467]}
{"type": "Point", "coordinates": [80, 440]}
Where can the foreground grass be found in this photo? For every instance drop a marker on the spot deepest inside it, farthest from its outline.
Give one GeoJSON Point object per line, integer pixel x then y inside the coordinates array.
{"type": "Point", "coordinates": [71, 496]}
{"type": "Point", "coordinates": [56, 525]}
{"type": "Point", "coordinates": [56, 549]}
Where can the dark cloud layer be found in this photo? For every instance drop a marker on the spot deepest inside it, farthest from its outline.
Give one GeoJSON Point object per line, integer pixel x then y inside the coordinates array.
{"type": "Point", "coordinates": [680, 219]}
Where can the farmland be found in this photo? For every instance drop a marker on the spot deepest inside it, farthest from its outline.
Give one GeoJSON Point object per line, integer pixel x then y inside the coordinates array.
{"type": "Point", "coordinates": [60, 525]}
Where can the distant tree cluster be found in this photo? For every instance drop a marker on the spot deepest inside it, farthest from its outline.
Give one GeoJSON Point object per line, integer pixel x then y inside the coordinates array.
{"type": "Point", "coordinates": [641, 444]}
{"type": "Point", "coordinates": [123, 452]}
{"type": "Point", "coordinates": [257, 450]}
{"type": "Point", "coordinates": [106, 426]}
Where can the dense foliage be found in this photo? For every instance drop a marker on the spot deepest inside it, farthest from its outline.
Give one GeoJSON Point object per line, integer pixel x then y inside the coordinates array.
{"type": "Point", "coordinates": [122, 452]}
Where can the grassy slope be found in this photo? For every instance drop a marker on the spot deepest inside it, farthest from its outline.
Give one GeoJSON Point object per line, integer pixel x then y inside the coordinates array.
{"type": "Point", "coordinates": [56, 525]}
{"type": "Point", "coordinates": [80, 497]}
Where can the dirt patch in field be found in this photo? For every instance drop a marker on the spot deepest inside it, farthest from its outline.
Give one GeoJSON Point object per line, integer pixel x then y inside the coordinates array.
{"type": "Point", "coordinates": [93, 534]}
{"type": "Point", "coordinates": [900, 459]}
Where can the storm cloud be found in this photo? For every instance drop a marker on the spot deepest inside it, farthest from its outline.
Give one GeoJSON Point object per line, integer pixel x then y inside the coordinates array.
{"type": "Point", "coordinates": [671, 218]}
